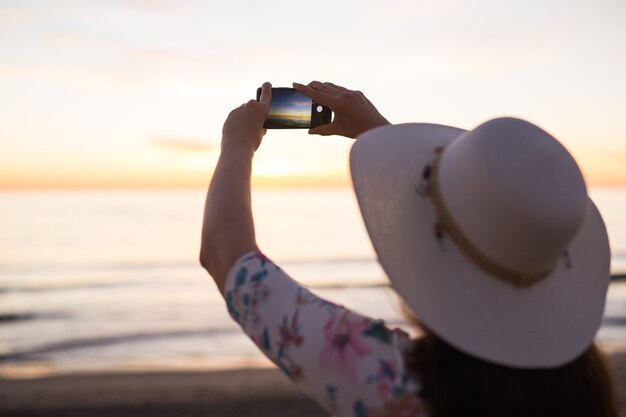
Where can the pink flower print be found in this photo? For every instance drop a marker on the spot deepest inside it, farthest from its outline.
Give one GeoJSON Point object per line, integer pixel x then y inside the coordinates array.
{"type": "Point", "coordinates": [295, 372]}
{"type": "Point", "coordinates": [384, 389]}
{"type": "Point", "coordinates": [265, 293]}
{"type": "Point", "coordinates": [302, 297]}
{"type": "Point", "coordinates": [289, 333]}
{"type": "Point", "coordinates": [343, 345]}
{"type": "Point", "coordinates": [261, 257]}
{"type": "Point", "coordinates": [385, 378]}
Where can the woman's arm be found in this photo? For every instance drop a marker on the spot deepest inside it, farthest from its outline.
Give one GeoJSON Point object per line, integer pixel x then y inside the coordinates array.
{"type": "Point", "coordinates": [228, 228]}
{"type": "Point", "coordinates": [349, 363]}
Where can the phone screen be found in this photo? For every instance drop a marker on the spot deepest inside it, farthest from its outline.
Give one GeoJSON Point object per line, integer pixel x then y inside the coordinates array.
{"type": "Point", "coordinates": [290, 109]}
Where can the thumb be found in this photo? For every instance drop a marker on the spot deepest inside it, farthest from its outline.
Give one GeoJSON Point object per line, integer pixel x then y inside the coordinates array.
{"type": "Point", "coordinates": [324, 130]}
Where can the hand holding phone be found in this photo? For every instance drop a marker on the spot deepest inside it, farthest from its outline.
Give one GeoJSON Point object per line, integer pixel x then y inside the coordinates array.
{"type": "Point", "coordinates": [243, 128]}
{"type": "Point", "coordinates": [290, 109]}
{"type": "Point", "coordinates": [354, 113]}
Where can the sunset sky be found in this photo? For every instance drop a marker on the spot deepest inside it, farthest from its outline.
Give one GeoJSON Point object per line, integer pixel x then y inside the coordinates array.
{"type": "Point", "coordinates": [290, 102]}
{"type": "Point", "coordinates": [134, 93]}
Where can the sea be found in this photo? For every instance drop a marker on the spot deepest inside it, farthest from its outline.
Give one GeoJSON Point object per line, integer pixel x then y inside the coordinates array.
{"type": "Point", "coordinates": [109, 280]}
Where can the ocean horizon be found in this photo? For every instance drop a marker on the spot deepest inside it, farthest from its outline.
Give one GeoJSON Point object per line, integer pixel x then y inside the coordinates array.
{"type": "Point", "coordinates": [109, 281]}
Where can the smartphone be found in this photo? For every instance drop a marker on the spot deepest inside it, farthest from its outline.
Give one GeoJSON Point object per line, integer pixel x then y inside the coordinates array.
{"type": "Point", "coordinates": [290, 109]}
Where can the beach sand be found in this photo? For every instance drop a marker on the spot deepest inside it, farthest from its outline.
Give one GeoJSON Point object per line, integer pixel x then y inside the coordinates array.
{"type": "Point", "coordinates": [254, 392]}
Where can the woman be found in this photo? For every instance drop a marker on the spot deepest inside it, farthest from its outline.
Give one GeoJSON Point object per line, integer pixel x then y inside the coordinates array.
{"type": "Point", "coordinates": [487, 235]}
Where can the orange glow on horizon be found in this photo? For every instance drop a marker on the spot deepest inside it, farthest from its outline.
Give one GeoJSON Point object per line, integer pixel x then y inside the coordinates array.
{"type": "Point", "coordinates": [597, 173]}
{"type": "Point", "coordinates": [602, 168]}
{"type": "Point", "coordinates": [158, 179]}
{"type": "Point", "coordinates": [183, 167]}
{"type": "Point", "coordinates": [257, 181]}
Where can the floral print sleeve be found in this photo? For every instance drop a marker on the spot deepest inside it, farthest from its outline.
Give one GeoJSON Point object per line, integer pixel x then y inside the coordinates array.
{"type": "Point", "coordinates": [350, 364]}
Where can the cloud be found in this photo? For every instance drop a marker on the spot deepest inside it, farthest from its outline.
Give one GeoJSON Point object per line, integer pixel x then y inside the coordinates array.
{"type": "Point", "coordinates": [107, 43]}
{"type": "Point", "coordinates": [184, 144]}
{"type": "Point", "coordinates": [19, 15]}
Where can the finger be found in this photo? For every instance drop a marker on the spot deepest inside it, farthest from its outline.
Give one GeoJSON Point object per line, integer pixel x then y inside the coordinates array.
{"type": "Point", "coordinates": [324, 130]}
{"type": "Point", "coordinates": [318, 96]}
{"type": "Point", "coordinates": [327, 88]}
{"type": "Point", "coordinates": [338, 87]}
{"type": "Point", "coordinates": [266, 94]}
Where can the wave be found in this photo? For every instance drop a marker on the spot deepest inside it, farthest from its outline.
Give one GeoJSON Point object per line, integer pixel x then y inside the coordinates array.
{"type": "Point", "coordinates": [95, 275]}
{"type": "Point", "coordinates": [615, 321]}
{"type": "Point", "coordinates": [12, 317]}
{"type": "Point", "coordinates": [39, 285]}
{"type": "Point", "coordinates": [185, 263]}
{"type": "Point", "coordinates": [102, 341]}
{"type": "Point", "coordinates": [148, 265]}
{"type": "Point", "coordinates": [95, 266]}
{"type": "Point", "coordinates": [40, 352]}
{"type": "Point", "coordinates": [9, 317]}
{"type": "Point", "coordinates": [349, 285]}
{"type": "Point", "coordinates": [52, 287]}
{"type": "Point", "coordinates": [61, 286]}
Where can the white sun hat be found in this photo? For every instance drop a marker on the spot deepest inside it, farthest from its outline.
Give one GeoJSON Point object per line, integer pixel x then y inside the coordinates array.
{"type": "Point", "coordinates": [488, 235]}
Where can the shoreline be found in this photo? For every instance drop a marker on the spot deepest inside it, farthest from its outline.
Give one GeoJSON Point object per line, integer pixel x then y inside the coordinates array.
{"type": "Point", "coordinates": [234, 393]}
{"type": "Point", "coordinates": [243, 392]}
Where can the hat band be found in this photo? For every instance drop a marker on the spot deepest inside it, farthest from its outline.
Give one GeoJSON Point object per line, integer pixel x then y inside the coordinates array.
{"type": "Point", "coordinates": [448, 225]}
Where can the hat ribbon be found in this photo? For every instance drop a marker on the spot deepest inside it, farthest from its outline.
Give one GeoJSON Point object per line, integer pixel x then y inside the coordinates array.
{"type": "Point", "coordinates": [476, 256]}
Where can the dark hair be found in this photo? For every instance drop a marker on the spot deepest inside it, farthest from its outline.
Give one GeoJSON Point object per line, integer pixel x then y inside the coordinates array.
{"type": "Point", "coordinates": [456, 384]}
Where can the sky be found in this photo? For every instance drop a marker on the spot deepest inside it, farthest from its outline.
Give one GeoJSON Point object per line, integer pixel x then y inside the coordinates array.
{"type": "Point", "coordinates": [134, 93]}
{"type": "Point", "coordinates": [290, 102]}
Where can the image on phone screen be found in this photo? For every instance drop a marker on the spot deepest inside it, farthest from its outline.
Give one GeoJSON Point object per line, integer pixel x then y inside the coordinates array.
{"type": "Point", "coordinates": [290, 109]}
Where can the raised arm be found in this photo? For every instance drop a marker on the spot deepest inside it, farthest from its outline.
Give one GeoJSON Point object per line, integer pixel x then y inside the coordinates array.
{"type": "Point", "coordinates": [228, 228]}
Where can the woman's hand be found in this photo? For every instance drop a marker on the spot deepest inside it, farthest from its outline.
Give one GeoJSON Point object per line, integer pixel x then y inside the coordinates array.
{"type": "Point", "coordinates": [244, 125]}
{"type": "Point", "coordinates": [354, 113]}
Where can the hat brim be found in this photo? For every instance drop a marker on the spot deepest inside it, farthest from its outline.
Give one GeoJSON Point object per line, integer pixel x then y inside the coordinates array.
{"type": "Point", "coordinates": [542, 326]}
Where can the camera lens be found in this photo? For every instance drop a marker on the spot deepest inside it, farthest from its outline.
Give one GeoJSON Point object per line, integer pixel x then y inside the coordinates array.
{"type": "Point", "coordinates": [319, 109]}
